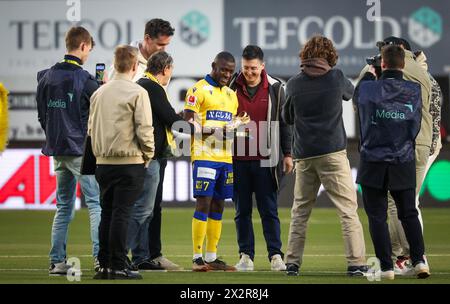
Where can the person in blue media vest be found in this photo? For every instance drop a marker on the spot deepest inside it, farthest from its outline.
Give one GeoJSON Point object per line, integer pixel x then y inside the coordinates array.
{"type": "Point", "coordinates": [63, 99]}
{"type": "Point", "coordinates": [389, 111]}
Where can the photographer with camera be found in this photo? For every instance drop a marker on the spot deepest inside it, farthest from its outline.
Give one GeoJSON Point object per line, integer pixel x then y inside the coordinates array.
{"type": "Point", "coordinates": [389, 113]}
{"type": "Point", "coordinates": [412, 71]}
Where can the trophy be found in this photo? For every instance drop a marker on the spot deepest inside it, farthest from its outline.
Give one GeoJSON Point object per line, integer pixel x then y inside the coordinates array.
{"type": "Point", "coordinates": [237, 121]}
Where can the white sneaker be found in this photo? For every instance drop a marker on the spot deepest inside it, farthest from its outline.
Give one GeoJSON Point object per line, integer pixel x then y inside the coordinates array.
{"type": "Point", "coordinates": [245, 263]}
{"type": "Point", "coordinates": [167, 264]}
{"type": "Point", "coordinates": [426, 261]}
{"type": "Point", "coordinates": [388, 275]}
{"type": "Point", "coordinates": [276, 263]}
{"type": "Point", "coordinates": [403, 267]}
{"type": "Point", "coordinates": [422, 270]}
{"type": "Point", "coordinates": [59, 269]}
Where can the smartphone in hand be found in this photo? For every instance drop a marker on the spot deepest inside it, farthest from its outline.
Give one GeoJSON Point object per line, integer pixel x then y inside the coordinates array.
{"type": "Point", "coordinates": [100, 73]}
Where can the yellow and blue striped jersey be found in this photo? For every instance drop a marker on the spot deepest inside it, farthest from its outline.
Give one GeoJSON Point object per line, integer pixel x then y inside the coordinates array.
{"type": "Point", "coordinates": [215, 107]}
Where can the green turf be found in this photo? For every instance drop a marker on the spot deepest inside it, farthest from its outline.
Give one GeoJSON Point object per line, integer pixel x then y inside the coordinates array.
{"type": "Point", "coordinates": [25, 242]}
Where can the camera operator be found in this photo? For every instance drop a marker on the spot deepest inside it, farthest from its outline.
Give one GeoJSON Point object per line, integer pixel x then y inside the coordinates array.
{"type": "Point", "coordinates": [412, 71]}
{"type": "Point", "coordinates": [389, 113]}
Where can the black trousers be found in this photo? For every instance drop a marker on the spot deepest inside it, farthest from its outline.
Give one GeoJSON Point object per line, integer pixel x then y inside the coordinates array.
{"type": "Point", "coordinates": [154, 228]}
{"type": "Point", "coordinates": [120, 186]}
{"type": "Point", "coordinates": [376, 205]}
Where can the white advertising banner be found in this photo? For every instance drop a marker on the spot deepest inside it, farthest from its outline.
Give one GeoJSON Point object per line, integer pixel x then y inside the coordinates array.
{"type": "Point", "coordinates": [32, 33]}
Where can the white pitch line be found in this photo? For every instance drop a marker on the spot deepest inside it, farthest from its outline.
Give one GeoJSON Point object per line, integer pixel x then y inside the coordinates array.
{"type": "Point", "coordinates": [312, 272]}
{"type": "Point", "coordinates": [35, 256]}
{"type": "Point", "coordinates": [188, 255]}
{"type": "Point", "coordinates": [32, 269]}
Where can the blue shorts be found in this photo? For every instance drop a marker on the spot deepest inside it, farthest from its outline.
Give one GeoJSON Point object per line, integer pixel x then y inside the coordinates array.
{"type": "Point", "coordinates": [213, 179]}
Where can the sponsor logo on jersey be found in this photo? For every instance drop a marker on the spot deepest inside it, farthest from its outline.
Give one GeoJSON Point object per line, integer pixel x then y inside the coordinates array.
{"type": "Point", "coordinates": [218, 115]}
{"type": "Point", "coordinates": [191, 100]}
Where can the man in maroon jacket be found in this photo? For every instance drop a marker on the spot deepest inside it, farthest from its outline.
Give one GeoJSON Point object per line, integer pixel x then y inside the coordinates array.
{"type": "Point", "coordinates": [262, 155]}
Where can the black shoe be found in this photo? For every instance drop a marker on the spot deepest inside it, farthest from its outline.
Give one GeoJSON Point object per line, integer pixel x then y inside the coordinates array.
{"type": "Point", "coordinates": [291, 269]}
{"type": "Point", "coordinates": [199, 265]}
{"type": "Point", "coordinates": [125, 274]}
{"type": "Point", "coordinates": [131, 266]}
{"type": "Point", "coordinates": [357, 271]}
{"type": "Point", "coordinates": [150, 265]}
{"type": "Point", "coordinates": [102, 274]}
{"type": "Point", "coordinates": [220, 265]}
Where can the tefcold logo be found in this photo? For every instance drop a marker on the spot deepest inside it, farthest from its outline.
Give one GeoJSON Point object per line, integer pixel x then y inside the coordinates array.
{"type": "Point", "coordinates": [194, 28]}
{"type": "Point", "coordinates": [425, 27]}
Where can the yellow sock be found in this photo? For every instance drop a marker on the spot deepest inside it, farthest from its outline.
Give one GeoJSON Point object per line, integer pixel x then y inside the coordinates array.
{"type": "Point", "coordinates": [213, 232]}
{"type": "Point", "coordinates": [199, 224]}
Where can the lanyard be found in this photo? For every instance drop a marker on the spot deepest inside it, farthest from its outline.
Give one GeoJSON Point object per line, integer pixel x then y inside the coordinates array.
{"type": "Point", "coordinates": [71, 62]}
{"type": "Point", "coordinates": [151, 77]}
{"type": "Point", "coordinates": [169, 135]}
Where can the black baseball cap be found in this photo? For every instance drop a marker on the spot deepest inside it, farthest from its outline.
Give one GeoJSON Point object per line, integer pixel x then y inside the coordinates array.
{"type": "Point", "coordinates": [392, 40]}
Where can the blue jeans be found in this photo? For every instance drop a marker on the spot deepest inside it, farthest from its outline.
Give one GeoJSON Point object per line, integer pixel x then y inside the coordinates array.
{"type": "Point", "coordinates": [67, 169]}
{"type": "Point", "coordinates": [141, 215]}
{"type": "Point", "coordinates": [249, 178]}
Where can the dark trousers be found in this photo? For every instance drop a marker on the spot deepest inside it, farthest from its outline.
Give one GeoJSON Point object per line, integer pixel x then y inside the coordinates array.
{"type": "Point", "coordinates": [120, 186]}
{"type": "Point", "coordinates": [154, 228]}
{"type": "Point", "coordinates": [376, 205]}
{"type": "Point", "coordinates": [249, 178]}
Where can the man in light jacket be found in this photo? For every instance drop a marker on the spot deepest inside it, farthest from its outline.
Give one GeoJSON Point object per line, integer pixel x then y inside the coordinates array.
{"type": "Point", "coordinates": [120, 125]}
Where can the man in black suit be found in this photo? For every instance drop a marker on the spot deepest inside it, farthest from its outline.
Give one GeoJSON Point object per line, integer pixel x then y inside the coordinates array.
{"type": "Point", "coordinates": [389, 111]}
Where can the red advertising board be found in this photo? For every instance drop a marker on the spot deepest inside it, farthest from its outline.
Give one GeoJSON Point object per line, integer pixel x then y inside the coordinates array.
{"type": "Point", "coordinates": [28, 181]}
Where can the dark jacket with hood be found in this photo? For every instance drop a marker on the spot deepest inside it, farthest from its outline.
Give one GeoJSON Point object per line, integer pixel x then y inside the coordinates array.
{"type": "Point", "coordinates": [314, 107]}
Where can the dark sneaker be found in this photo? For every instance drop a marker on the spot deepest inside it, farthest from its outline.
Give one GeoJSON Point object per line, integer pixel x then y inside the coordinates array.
{"type": "Point", "coordinates": [102, 274]}
{"type": "Point", "coordinates": [199, 265]}
{"type": "Point", "coordinates": [125, 274]}
{"type": "Point", "coordinates": [220, 265]}
{"type": "Point", "coordinates": [150, 265]}
{"type": "Point", "coordinates": [291, 269]}
{"type": "Point", "coordinates": [357, 271]}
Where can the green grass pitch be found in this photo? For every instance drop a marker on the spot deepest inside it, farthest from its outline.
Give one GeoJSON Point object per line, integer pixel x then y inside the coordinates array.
{"type": "Point", "coordinates": [25, 243]}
